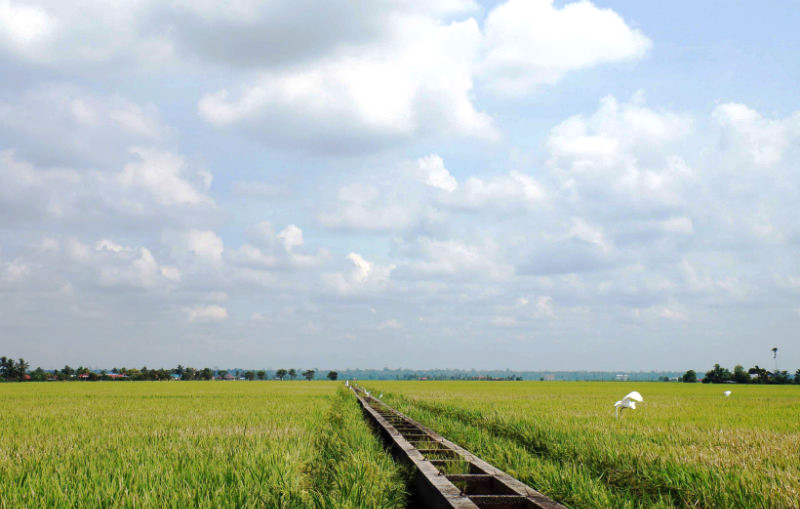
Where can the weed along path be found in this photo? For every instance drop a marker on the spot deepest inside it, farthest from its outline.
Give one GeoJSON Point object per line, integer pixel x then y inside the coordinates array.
{"type": "Point", "coordinates": [687, 445]}
{"type": "Point", "coordinates": [447, 476]}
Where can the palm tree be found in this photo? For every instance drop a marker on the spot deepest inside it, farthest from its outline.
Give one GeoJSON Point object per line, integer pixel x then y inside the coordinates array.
{"type": "Point", "coordinates": [22, 368]}
{"type": "Point", "coordinates": [775, 356]}
{"type": "Point", "coordinates": [6, 367]}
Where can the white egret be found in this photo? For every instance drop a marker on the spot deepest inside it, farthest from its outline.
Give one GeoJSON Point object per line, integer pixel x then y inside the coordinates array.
{"type": "Point", "coordinates": [628, 401]}
{"type": "Point", "coordinates": [727, 393]}
{"type": "Point", "coordinates": [380, 395]}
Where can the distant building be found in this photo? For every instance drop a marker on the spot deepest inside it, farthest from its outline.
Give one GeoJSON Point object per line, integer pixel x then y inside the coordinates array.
{"type": "Point", "coordinates": [549, 377]}
{"type": "Point", "coordinates": [621, 378]}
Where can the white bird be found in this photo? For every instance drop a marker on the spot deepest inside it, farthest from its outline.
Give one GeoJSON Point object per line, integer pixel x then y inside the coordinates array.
{"type": "Point", "coordinates": [347, 383]}
{"type": "Point", "coordinates": [727, 393]}
{"type": "Point", "coordinates": [628, 401]}
{"type": "Point", "coordinates": [366, 392]}
{"type": "Point", "coordinates": [380, 395]}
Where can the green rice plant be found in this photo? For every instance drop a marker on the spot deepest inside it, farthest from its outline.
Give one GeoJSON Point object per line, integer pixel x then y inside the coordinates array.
{"type": "Point", "coordinates": [351, 470]}
{"type": "Point", "coordinates": [686, 446]}
{"type": "Point", "coordinates": [189, 444]}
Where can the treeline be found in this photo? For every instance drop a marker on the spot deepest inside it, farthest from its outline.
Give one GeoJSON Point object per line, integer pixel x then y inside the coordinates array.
{"type": "Point", "coordinates": [19, 371]}
{"type": "Point", "coordinates": [754, 375]}
{"type": "Point", "coordinates": [501, 374]}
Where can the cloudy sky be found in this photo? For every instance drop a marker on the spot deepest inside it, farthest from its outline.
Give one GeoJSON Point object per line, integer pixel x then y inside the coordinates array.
{"type": "Point", "coordinates": [417, 183]}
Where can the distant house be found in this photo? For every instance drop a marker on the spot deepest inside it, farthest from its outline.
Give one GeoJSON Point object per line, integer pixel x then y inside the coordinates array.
{"type": "Point", "coordinates": [228, 376]}
{"type": "Point", "coordinates": [116, 376]}
{"type": "Point", "coordinates": [84, 376]}
{"type": "Point", "coordinates": [175, 376]}
{"type": "Point", "coordinates": [549, 377]}
{"type": "Point", "coordinates": [621, 378]}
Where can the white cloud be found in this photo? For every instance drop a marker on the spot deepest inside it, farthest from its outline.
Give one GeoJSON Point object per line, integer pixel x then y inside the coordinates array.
{"type": "Point", "coordinates": [587, 233]}
{"type": "Point", "coordinates": [206, 245]}
{"type": "Point", "coordinates": [390, 324]}
{"type": "Point", "coordinates": [365, 207]}
{"type": "Point", "coordinates": [24, 26]}
{"type": "Point", "coordinates": [430, 170]}
{"type": "Point", "coordinates": [363, 276]}
{"type": "Point", "coordinates": [453, 258]}
{"type": "Point", "coordinates": [531, 42]}
{"type": "Point", "coordinates": [159, 173]}
{"type": "Point", "coordinates": [763, 140]}
{"type": "Point", "coordinates": [291, 236]}
{"type": "Point", "coordinates": [416, 84]}
{"type": "Point", "coordinates": [210, 313]}
{"type": "Point", "coordinates": [544, 306]}
{"type": "Point", "coordinates": [84, 129]}
{"type": "Point", "coordinates": [15, 270]}
{"type": "Point", "coordinates": [512, 188]}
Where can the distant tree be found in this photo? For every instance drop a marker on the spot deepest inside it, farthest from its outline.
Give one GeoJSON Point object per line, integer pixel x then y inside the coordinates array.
{"type": "Point", "coordinates": [250, 375]}
{"type": "Point", "coordinates": [797, 376]}
{"type": "Point", "coordinates": [717, 375]}
{"type": "Point", "coordinates": [309, 374]}
{"type": "Point", "coordinates": [280, 374]}
{"type": "Point", "coordinates": [762, 375]}
{"type": "Point", "coordinates": [689, 377]}
{"type": "Point", "coordinates": [292, 373]}
{"type": "Point", "coordinates": [780, 377]}
{"type": "Point", "coordinates": [206, 374]}
{"type": "Point", "coordinates": [740, 376]}
{"type": "Point", "coordinates": [222, 373]}
{"type": "Point", "coordinates": [67, 372]}
{"type": "Point", "coordinates": [333, 375]}
{"type": "Point", "coordinates": [261, 374]}
{"type": "Point", "coordinates": [6, 368]}
{"type": "Point", "coordinates": [38, 375]}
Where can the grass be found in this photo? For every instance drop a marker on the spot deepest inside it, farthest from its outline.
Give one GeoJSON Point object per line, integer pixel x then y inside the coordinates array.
{"type": "Point", "coordinates": [686, 446]}
{"type": "Point", "coordinates": [190, 444]}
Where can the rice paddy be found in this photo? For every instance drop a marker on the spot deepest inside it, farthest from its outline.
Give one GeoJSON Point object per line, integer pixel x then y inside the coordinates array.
{"type": "Point", "coordinates": [305, 444]}
{"type": "Point", "coordinates": [686, 446]}
{"type": "Point", "coordinates": [190, 444]}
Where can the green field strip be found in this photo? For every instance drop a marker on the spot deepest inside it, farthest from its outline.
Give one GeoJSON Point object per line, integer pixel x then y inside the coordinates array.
{"type": "Point", "coordinates": [351, 470]}
{"type": "Point", "coordinates": [611, 475]}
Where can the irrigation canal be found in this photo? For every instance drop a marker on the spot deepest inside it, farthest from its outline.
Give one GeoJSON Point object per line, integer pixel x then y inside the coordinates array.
{"type": "Point", "coordinates": [447, 476]}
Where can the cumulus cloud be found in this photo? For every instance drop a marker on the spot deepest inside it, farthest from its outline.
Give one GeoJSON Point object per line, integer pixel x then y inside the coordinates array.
{"type": "Point", "coordinates": [529, 43]}
{"type": "Point", "coordinates": [209, 313]}
{"type": "Point", "coordinates": [415, 85]}
{"type": "Point", "coordinates": [458, 259]}
{"type": "Point", "coordinates": [159, 174]}
{"type": "Point", "coordinates": [363, 276]}
{"type": "Point", "coordinates": [430, 170]}
{"type": "Point", "coordinates": [204, 245]}
{"type": "Point", "coordinates": [366, 207]}
{"type": "Point", "coordinates": [83, 129]}
{"type": "Point", "coordinates": [764, 141]}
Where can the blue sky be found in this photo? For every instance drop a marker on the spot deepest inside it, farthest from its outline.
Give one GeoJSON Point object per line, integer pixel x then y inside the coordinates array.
{"type": "Point", "coordinates": [520, 184]}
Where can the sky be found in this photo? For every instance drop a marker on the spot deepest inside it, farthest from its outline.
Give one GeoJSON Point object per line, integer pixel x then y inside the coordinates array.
{"type": "Point", "coordinates": [523, 184]}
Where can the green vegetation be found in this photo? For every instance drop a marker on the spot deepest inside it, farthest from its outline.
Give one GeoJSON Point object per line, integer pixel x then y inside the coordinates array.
{"type": "Point", "coordinates": [191, 444]}
{"type": "Point", "coordinates": [685, 446]}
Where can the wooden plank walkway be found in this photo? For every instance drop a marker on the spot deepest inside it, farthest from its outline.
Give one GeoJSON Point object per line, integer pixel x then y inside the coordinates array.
{"type": "Point", "coordinates": [448, 476]}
